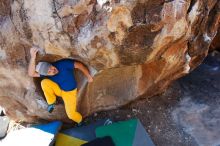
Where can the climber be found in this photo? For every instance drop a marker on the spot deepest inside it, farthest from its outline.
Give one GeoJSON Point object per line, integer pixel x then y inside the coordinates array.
{"type": "Point", "coordinates": [58, 80]}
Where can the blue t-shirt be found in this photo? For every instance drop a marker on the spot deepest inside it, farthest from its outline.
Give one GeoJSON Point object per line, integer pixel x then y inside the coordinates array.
{"type": "Point", "coordinates": [65, 77]}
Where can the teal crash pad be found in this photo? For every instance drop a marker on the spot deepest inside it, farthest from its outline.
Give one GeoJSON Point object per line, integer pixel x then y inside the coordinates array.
{"type": "Point", "coordinates": [126, 133]}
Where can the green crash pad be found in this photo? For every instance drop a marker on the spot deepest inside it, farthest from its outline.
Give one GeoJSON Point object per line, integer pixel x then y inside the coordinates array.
{"type": "Point", "coordinates": [126, 133]}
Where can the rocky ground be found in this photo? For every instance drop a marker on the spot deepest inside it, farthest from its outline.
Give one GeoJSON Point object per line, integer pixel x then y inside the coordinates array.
{"type": "Point", "coordinates": [187, 114]}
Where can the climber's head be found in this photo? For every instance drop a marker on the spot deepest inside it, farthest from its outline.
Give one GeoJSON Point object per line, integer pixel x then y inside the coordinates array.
{"type": "Point", "coordinates": [46, 69]}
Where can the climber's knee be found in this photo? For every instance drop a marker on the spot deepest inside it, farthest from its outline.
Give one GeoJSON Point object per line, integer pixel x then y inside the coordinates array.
{"type": "Point", "coordinates": [45, 83]}
{"type": "Point", "coordinates": [49, 92]}
{"type": "Point", "coordinates": [50, 86]}
{"type": "Point", "coordinates": [48, 82]}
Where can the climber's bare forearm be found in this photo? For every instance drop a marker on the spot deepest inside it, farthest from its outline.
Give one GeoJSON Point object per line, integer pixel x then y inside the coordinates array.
{"type": "Point", "coordinates": [32, 65]}
{"type": "Point", "coordinates": [83, 69]}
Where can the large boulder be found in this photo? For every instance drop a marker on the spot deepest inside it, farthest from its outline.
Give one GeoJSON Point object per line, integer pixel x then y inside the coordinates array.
{"type": "Point", "coordinates": [133, 48]}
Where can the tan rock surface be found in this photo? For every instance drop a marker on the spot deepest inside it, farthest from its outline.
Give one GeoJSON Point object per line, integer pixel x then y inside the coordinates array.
{"type": "Point", "coordinates": [133, 48]}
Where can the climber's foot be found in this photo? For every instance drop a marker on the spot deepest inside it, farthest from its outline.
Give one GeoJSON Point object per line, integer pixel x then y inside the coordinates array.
{"type": "Point", "coordinates": [50, 108]}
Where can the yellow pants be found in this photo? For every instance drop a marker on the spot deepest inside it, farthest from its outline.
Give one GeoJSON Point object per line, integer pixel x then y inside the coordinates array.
{"type": "Point", "coordinates": [52, 89]}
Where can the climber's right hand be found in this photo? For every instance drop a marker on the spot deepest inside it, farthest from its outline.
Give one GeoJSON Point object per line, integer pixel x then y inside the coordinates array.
{"type": "Point", "coordinates": [33, 52]}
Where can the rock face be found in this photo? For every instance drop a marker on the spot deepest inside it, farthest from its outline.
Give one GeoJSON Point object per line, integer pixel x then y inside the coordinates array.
{"type": "Point", "coordinates": [133, 48]}
{"type": "Point", "coordinates": [215, 45]}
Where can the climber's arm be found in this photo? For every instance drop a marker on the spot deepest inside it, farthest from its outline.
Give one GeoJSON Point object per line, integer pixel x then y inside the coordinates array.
{"type": "Point", "coordinates": [31, 67]}
{"type": "Point", "coordinates": [84, 69]}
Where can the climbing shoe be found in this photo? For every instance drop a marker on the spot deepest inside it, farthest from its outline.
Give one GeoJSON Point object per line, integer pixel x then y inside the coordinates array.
{"type": "Point", "coordinates": [79, 124]}
{"type": "Point", "coordinates": [50, 108]}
